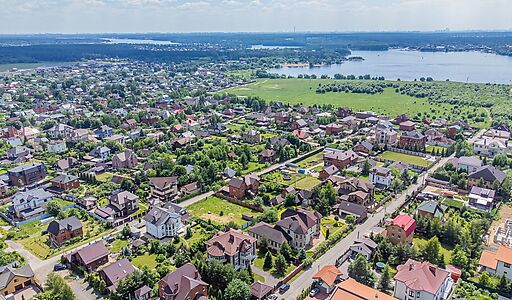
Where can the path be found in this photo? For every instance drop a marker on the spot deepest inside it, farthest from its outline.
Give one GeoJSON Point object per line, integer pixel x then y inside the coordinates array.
{"type": "Point", "coordinates": [329, 258]}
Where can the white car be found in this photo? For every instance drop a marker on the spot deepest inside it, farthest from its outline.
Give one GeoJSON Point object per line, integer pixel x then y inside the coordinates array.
{"type": "Point", "coordinates": [314, 291]}
{"type": "Point", "coordinates": [272, 297]}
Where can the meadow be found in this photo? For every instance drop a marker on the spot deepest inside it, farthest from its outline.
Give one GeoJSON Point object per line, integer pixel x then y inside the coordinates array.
{"type": "Point", "coordinates": [303, 91]}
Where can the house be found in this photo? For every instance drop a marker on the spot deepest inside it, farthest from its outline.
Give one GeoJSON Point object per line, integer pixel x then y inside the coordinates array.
{"type": "Point", "coordinates": [485, 177]}
{"type": "Point", "coordinates": [184, 283]}
{"type": "Point", "coordinates": [164, 188]}
{"type": "Point", "coordinates": [343, 112]}
{"type": "Point", "coordinates": [162, 223]}
{"type": "Point", "coordinates": [430, 209]}
{"type": "Point", "coordinates": [412, 140]}
{"type": "Point", "coordinates": [233, 247]}
{"type": "Point", "coordinates": [260, 291]}
{"type": "Point", "coordinates": [333, 129]}
{"type": "Point", "coordinates": [385, 135]}
{"type": "Point", "coordinates": [400, 230]}
{"type": "Point", "coordinates": [340, 159]}
{"type": "Point", "coordinates": [27, 174]}
{"type": "Point", "coordinates": [248, 184]}
{"type": "Point", "coordinates": [65, 182]}
{"type": "Point", "coordinates": [355, 190]}
{"type": "Point", "coordinates": [490, 147]}
{"type": "Point", "coordinates": [100, 152]}
{"type": "Point", "coordinates": [129, 124]}
{"type": "Point", "coordinates": [407, 126]}
{"type": "Point", "coordinates": [497, 263]}
{"type": "Point", "coordinates": [302, 225]}
{"type": "Point", "coordinates": [103, 131]}
{"type": "Point", "coordinates": [267, 156]}
{"type": "Point", "coordinates": [352, 290]}
{"type": "Point", "coordinates": [346, 208]}
{"type": "Point", "coordinates": [90, 257]}
{"type": "Point", "coordinates": [282, 118]}
{"type": "Point", "coordinates": [115, 272]}
{"type": "Point", "coordinates": [124, 203]}
{"type": "Point", "coordinates": [251, 136]}
{"type": "Point", "coordinates": [422, 280]}
{"type": "Point", "coordinates": [300, 134]}
{"type": "Point", "coordinates": [467, 163]}
{"type": "Point", "coordinates": [400, 119]}
{"type": "Point", "coordinates": [298, 124]}
{"type": "Point", "coordinates": [327, 172]}
{"type": "Point", "coordinates": [30, 203]}
{"type": "Point", "coordinates": [125, 160]}
{"type": "Point", "coordinates": [481, 198]}
{"type": "Point", "coordinates": [381, 176]}
{"type": "Point", "coordinates": [363, 147]}
{"type": "Point", "coordinates": [59, 232]}
{"type": "Point", "coordinates": [142, 293]}
{"type": "Point", "coordinates": [60, 131]}
{"type": "Point", "coordinates": [15, 279]}
{"type": "Point", "coordinates": [327, 277]}
{"type": "Point", "coordinates": [65, 164]}
{"type": "Point", "coordinates": [364, 247]}
{"type": "Point", "coordinates": [18, 152]}
{"type": "Point", "coordinates": [275, 237]}
{"type": "Point", "coordinates": [57, 146]}
{"type": "Point", "coordinates": [349, 121]}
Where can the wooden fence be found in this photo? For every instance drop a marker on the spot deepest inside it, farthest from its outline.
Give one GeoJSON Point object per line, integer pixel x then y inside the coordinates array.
{"type": "Point", "coordinates": [239, 202]}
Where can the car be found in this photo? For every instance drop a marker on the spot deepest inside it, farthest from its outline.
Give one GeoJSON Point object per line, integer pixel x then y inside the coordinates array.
{"type": "Point", "coordinates": [59, 267]}
{"type": "Point", "coordinates": [283, 288]}
{"type": "Point", "coordinates": [314, 291]}
{"type": "Point", "coordinates": [272, 297]}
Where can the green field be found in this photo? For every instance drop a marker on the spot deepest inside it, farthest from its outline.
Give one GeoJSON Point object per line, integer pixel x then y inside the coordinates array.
{"type": "Point", "coordinates": [303, 91]}
{"type": "Point", "coordinates": [145, 260]}
{"type": "Point", "coordinates": [307, 183]}
{"type": "Point", "coordinates": [220, 211]}
{"type": "Point", "coordinates": [410, 159]}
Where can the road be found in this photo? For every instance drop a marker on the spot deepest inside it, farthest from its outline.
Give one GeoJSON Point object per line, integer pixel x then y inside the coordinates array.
{"type": "Point", "coordinates": [329, 258]}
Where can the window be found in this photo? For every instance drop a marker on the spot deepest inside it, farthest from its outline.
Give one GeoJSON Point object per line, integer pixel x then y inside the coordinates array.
{"type": "Point", "coordinates": [507, 265]}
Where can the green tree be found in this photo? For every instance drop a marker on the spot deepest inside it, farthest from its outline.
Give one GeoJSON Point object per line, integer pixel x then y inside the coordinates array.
{"type": "Point", "coordinates": [365, 170]}
{"type": "Point", "coordinates": [484, 279]}
{"type": "Point", "coordinates": [56, 289]}
{"type": "Point", "coordinates": [286, 251]}
{"type": "Point", "coordinates": [360, 270]}
{"type": "Point", "coordinates": [52, 208]}
{"type": "Point", "coordinates": [385, 279]}
{"type": "Point", "coordinates": [263, 246]}
{"type": "Point", "coordinates": [237, 290]}
{"type": "Point", "coordinates": [268, 263]}
{"type": "Point", "coordinates": [431, 250]}
{"type": "Point", "coordinates": [281, 264]}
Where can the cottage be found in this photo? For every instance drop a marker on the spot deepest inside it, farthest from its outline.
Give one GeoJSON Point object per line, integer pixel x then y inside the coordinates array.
{"type": "Point", "coordinates": [59, 232]}
{"type": "Point", "coordinates": [381, 176]}
{"type": "Point", "coordinates": [340, 159]}
{"type": "Point", "coordinates": [163, 223]}
{"type": "Point", "coordinates": [327, 172]}
{"type": "Point", "coordinates": [275, 237]}
{"type": "Point", "coordinates": [164, 188]}
{"type": "Point", "coordinates": [485, 177]}
{"type": "Point", "coordinates": [364, 247]}
{"type": "Point", "coordinates": [125, 160]}
{"type": "Point", "coordinates": [497, 263]}
{"type": "Point", "coordinates": [260, 291]}
{"type": "Point", "coordinates": [90, 257]}
{"type": "Point", "coordinates": [400, 230]}
{"type": "Point", "coordinates": [16, 279]}
{"type": "Point", "coordinates": [234, 247]}
{"type": "Point", "coordinates": [65, 182]}
{"type": "Point", "coordinates": [183, 283]}
{"type": "Point", "coordinates": [481, 198]}
{"type": "Point", "coordinates": [353, 290]}
{"type": "Point", "coordinates": [412, 140]}
{"type": "Point", "coordinates": [267, 156]}
{"type": "Point", "coordinates": [251, 137]}
{"type": "Point", "coordinates": [124, 203]}
{"type": "Point", "coordinates": [115, 272]}
{"type": "Point", "coordinates": [27, 174]}
{"type": "Point", "coordinates": [430, 209]}
{"type": "Point", "coordinates": [327, 278]}
{"type": "Point", "coordinates": [302, 225]}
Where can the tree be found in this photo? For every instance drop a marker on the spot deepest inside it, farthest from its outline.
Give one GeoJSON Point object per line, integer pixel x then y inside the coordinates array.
{"type": "Point", "coordinates": [385, 279]}
{"type": "Point", "coordinates": [126, 232]}
{"type": "Point", "coordinates": [431, 250]}
{"type": "Point", "coordinates": [503, 284]}
{"type": "Point", "coordinates": [360, 270]}
{"type": "Point", "coordinates": [286, 251]}
{"type": "Point", "coordinates": [263, 246]}
{"type": "Point", "coordinates": [459, 258]}
{"type": "Point", "coordinates": [484, 279]}
{"type": "Point", "coordinates": [56, 289]}
{"type": "Point", "coordinates": [365, 170]}
{"type": "Point", "coordinates": [281, 264]}
{"type": "Point", "coordinates": [289, 200]}
{"type": "Point", "coordinates": [52, 208]}
{"type": "Point", "coordinates": [268, 263]}
{"type": "Point", "coordinates": [237, 290]}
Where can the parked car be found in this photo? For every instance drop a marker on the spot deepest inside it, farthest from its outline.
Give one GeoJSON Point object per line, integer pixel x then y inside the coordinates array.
{"type": "Point", "coordinates": [314, 291]}
{"type": "Point", "coordinates": [272, 297]}
{"type": "Point", "coordinates": [59, 267]}
{"type": "Point", "coordinates": [283, 288]}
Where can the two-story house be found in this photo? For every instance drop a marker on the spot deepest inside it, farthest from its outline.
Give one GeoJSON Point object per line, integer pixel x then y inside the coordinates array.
{"type": "Point", "coordinates": [422, 280]}
{"type": "Point", "coordinates": [233, 247]}
{"type": "Point", "coordinates": [183, 283]}
{"type": "Point", "coordinates": [30, 203]}
{"type": "Point", "coordinates": [490, 147]}
{"type": "Point", "coordinates": [400, 230]}
{"type": "Point", "coordinates": [124, 203]}
{"type": "Point", "coordinates": [301, 225]}
{"type": "Point", "coordinates": [61, 231]}
{"type": "Point", "coordinates": [125, 160]}
{"type": "Point", "coordinates": [498, 262]}
{"type": "Point", "coordinates": [340, 159]}
{"type": "Point", "coordinates": [27, 174]}
{"type": "Point", "coordinates": [381, 176]}
{"type": "Point", "coordinates": [163, 223]}
{"type": "Point", "coordinates": [164, 188]}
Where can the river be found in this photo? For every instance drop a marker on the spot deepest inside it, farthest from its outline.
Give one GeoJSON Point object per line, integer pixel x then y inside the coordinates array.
{"type": "Point", "coordinates": [409, 65]}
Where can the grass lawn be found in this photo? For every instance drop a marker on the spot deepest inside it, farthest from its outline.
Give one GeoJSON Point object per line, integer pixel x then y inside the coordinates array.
{"type": "Point", "coordinates": [118, 245]}
{"type": "Point", "coordinates": [435, 148]}
{"type": "Point", "coordinates": [145, 260]}
{"type": "Point", "coordinates": [258, 278]}
{"type": "Point", "coordinates": [61, 202]}
{"type": "Point", "coordinates": [303, 91]}
{"type": "Point", "coordinates": [30, 237]}
{"type": "Point", "coordinates": [278, 177]}
{"type": "Point", "coordinates": [311, 161]}
{"type": "Point", "coordinates": [453, 203]}
{"type": "Point", "coordinates": [259, 261]}
{"type": "Point", "coordinates": [220, 211]}
{"type": "Point", "coordinates": [410, 159]}
{"type": "Point", "coordinates": [307, 183]}
{"type": "Point", "coordinates": [104, 177]}
{"type": "Point", "coordinates": [252, 166]}
{"type": "Point", "coordinates": [419, 242]}
{"type": "Point", "coordinates": [332, 225]}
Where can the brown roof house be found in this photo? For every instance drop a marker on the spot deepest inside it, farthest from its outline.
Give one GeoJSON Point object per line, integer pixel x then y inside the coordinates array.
{"type": "Point", "coordinates": [59, 232]}
{"type": "Point", "coordinates": [234, 247]}
{"type": "Point", "coordinates": [251, 136]}
{"type": "Point", "coordinates": [302, 225]}
{"type": "Point", "coordinates": [274, 235]}
{"type": "Point", "coordinates": [485, 177]}
{"type": "Point", "coordinates": [184, 283]}
{"type": "Point", "coordinates": [267, 155]}
{"type": "Point", "coordinates": [164, 188]}
{"type": "Point", "coordinates": [124, 203]}
{"type": "Point", "coordinates": [245, 186]}
{"type": "Point", "coordinates": [328, 172]}
{"type": "Point", "coordinates": [260, 291]}
{"type": "Point", "coordinates": [340, 159]}
{"type": "Point", "coordinates": [15, 279]}
{"type": "Point", "coordinates": [116, 272]}
{"type": "Point", "coordinates": [422, 280]}
{"type": "Point", "coordinates": [124, 160]}
{"type": "Point", "coordinates": [65, 182]}
{"type": "Point", "coordinates": [355, 190]}
{"type": "Point", "coordinates": [90, 257]}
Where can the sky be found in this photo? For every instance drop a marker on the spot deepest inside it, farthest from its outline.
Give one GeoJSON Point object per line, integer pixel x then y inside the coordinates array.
{"type": "Point", "coordinates": [124, 16]}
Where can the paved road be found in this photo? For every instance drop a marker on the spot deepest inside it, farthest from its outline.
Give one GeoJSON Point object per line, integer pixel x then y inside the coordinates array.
{"type": "Point", "coordinates": [330, 257]}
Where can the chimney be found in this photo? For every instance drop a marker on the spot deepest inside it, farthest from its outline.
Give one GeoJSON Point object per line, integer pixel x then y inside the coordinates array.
{"type": "Point", "coordinates": [411, 267]}
{"type": "Point", "coordinates": [432, 269]}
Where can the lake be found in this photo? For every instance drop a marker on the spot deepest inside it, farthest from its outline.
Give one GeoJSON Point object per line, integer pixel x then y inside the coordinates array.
{"type": "Point", "coordinates": [408, 65]}
{"type": "Point", "coordinates": [139, 42]}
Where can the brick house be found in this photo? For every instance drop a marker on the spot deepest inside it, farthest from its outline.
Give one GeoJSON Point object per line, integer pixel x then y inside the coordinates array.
{"type": "Point", "coordinates": [164, 188]}
{"type": "Point", "coordinates": [327, 172]}
{"type": "Point", "coordinates": [239, 187]}
{"type": "Point", "coordinates": [115, 272]}
{"type": "Point", "coordinates": [486, 176]}
{"type": "Point", "coordinates": [90, 257]}
{"type": "Point", "coordinates": [412, 140]}
{"type": "Point", "coordinates": [400, 230]}
{"type": "Point", "coordinates": [27, 174]}
{"type": "Point", "coordinates": [340, 159]}
{"type": "Point", "coordinates": [183, 283]}
{"type": "Point", "coordinates": [66, 182]}
{"type": "Point", "coordinates": [333, 129]}
{"type": "Point", "coordinates": [124, 203]}
{"type": "Point", "coordinates": [407, 125]}
{"type": "Point", "coordinates": [234, 247]}
{"type": "Point", "coordinates": [363, 147]}
{"type": "Point", "coordinates": [267, 155]}
{"type": "Point", "coordinates": [59, 232]}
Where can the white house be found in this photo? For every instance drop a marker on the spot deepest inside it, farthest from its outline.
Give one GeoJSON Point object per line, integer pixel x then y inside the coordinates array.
{"type": "Point", "coordinates": [490, 147]}
{"type": "Point", "coordinates": [60, 131]}
{"type": "Point", "coordinates": [422, 280]}
{"type": "Point", "coordinates": [497, 263]}
{"type": "Point", "coordinates": [162, 223]}
{"type": "Point", "coordinates": [56, 146]}
{"type": "Point", "coordinates": [381, 176]}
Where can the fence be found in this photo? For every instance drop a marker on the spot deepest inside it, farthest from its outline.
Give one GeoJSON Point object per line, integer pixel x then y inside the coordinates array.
{"type": "Point", "coordinates": [238, 202]}
{"type": "Point", "coordinates": [290, 275]}
{"type": "Point", "coordinates": [408, 152]}
{"type": "Point", "coordinates": [445, 185]}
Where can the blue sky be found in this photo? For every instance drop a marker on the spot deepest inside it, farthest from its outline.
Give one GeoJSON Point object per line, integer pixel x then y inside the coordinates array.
{"type": "Point", "coordinates": [91, 16]}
